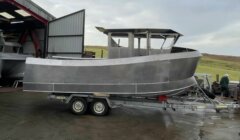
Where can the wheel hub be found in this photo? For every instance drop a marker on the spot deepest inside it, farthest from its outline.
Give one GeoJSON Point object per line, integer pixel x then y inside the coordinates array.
{"type": "Point", "coordinates": [99, 107]}
{"type": "Point", "coordinates": [78, 106]}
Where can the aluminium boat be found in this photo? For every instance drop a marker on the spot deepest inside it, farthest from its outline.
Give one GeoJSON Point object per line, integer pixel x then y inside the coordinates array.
{"type": "Point", "coordinates": [12, 64]}
{"type": "Point", "coordinates": [139, 69]}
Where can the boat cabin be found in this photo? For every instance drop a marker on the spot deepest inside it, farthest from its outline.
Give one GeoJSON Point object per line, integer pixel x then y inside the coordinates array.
{"type": "Point", "coordinates": [134, 41]}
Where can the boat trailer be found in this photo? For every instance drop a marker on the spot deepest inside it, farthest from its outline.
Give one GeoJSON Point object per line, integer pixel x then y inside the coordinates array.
{"type": "Point", "coordinates": [100, 104]}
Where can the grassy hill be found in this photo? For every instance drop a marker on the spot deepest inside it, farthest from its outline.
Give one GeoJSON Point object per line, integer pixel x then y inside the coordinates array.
{"type": "Point", "coordinates": [220, 64]}
{"type": "Point", "coordinates": [210, 64]}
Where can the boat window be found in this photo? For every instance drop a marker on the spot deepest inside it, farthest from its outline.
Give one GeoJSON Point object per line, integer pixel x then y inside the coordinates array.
{"type": "Point", "coordinates": [119, 42]}
{"type": "Point", "coordinates": [156, 43]}
{"type": "Point", "coordinates": [167, 45]}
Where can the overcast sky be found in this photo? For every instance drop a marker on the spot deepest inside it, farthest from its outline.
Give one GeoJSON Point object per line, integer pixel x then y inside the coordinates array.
{"type": "Point", "coordinates": [211, 26]}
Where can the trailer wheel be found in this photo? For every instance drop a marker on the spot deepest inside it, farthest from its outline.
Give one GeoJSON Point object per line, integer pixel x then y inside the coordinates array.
{"type": "Point", "coordinates": [99, 107]}
{"type": "Point", "coordinates": [78, 106]}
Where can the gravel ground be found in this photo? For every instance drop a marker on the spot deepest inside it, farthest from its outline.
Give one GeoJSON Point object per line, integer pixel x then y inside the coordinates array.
{"type": "Point", "coordinates": [28, 116]}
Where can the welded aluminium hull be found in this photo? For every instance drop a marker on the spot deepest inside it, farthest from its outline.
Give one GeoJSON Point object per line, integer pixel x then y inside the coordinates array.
{"type": "Point", "coordinates": [12, 65]}
{"type": "Point", "coordinates": [153, 74]}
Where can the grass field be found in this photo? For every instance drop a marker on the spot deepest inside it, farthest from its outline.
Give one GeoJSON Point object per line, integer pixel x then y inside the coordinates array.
{"type": "Point", "coordinates": [214, 65]}
{"type": "Point", "coordinates": [98, 50]}
{"type": "Point", "coordinates": [210, 64]}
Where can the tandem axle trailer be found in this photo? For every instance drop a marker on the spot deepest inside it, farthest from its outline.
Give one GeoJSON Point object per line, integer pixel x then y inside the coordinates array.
{"type": "Point", "coordinates": [100, 104]}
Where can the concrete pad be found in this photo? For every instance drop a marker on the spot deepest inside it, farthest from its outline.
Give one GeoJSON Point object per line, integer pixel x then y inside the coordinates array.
{"type": "Point", "coordinates": [31, 116]}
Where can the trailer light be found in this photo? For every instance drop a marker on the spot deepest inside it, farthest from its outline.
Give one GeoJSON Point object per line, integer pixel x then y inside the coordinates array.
{"type": "Point", "coordinates": [22, 13]}
{"type": "Point", "coordinates": [7, 15]}
{"type": "Point", "coordinates": [17, 22]}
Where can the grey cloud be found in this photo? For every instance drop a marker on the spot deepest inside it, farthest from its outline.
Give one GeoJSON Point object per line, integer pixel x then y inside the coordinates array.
{"type": "Point", "coordinates": [207, 24]}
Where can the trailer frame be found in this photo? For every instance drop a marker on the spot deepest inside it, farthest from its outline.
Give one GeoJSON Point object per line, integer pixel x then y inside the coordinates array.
{"type": "Point", "coordinates": [200, 102]}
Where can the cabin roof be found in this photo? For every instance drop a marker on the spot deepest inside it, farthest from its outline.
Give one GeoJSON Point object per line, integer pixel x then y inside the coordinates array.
{"type": "Point", "coordinates": [141, 32]}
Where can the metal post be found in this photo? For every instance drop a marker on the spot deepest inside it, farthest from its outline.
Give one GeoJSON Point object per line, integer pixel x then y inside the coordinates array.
{"type": "Point", "coordinates": [109, 43]}
{"type": "Point", "coordinates": [118, 43]}
{"type": "Point", "coordinates": [139, 46]}
{"type": "Point", "coordinates": [131, 43]}
{"type": "Point", "coordinates": [161, 49]}
{"type": "Point", "coordinates": [172, 44]}
{"type": "Point", "coordinates": [148, 44]}
{"type": "Point", "coordinates": [46, 39]}
{"type": "Point", "coordinates": [109, 39]}
{"type": "Point", "coordinates": [174, 41]}
{"type": "Point", "coordinates": [101, 53]}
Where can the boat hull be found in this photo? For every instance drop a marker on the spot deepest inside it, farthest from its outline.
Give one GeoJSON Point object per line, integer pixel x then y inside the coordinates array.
{"type": "Point", "coordinates": [153, 74]}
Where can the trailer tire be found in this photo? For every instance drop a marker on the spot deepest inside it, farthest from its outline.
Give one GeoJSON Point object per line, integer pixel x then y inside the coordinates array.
{"type": "Point", "coordinates": [99, 107]}
{"type": "Point", "coordinates": [78, 106]}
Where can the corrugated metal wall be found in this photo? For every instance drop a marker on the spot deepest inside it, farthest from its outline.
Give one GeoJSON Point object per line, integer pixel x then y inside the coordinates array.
{"type": "Point", "coordinates": [66, 34]}
{"type": "Point", "coordinates": [65, 44]}
{"type": "Point", "coordinates": [70, 25]}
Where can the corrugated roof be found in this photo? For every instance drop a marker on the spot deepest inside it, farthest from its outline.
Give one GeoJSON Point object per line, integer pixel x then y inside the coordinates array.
{"type": "Point", "coordinates": [28, 6]}
{"type": "Point", "coordinates": [140, 32]}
